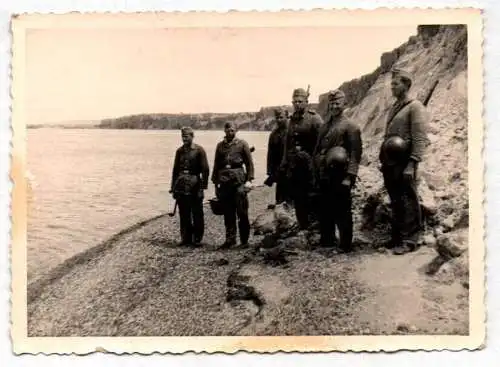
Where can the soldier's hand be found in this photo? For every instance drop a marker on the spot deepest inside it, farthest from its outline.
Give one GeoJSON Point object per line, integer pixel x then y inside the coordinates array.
{"type": "Point", "coordinates": [346, 182]}
{"type": "Point", "coordinates": [409, 172]}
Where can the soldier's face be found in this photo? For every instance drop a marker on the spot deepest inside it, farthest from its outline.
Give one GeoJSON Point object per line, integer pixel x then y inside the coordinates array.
{"type": "Point", "coordinates": [281, 119]}
{"type": "Point", "coordinates": [299, 103]}
{"type": "Point", "coordinates": [187, 139]}
{"type": "Point", "coordinates": [336, 106]}
{"type": "Point", "coordinates": [398, 88]}
{"type": "Point", "coordinates": [230, 132]}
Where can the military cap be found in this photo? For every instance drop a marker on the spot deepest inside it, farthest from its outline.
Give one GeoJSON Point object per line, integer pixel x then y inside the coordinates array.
{"type": "Point", "coordinates": [300, 92]}
{"type": "Point", "coordinates": [336, 94]}
{"type": "Point", "coordinates": [229, 124]}
{"type": "Point", "coordinates": [187, 130]}
{"type": "Point", "coordinates": [403, 74]}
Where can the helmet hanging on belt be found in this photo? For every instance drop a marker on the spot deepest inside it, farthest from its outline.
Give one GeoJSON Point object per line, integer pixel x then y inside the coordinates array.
{"type": "Point", "coordinates": [395, 148]}
{"type": "Point", "coordinates": [216, 206]}
{"type": "Point", "coordinates": [337, 157]}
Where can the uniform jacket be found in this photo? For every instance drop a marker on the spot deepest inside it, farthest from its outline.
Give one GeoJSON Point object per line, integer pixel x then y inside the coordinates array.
{"type": "Point", "coordinates": [345, 133]}
{"type": "Point", "coordinates": [230, 157]}
{"type": "Point", "coordinates": [410, 123]}
{"type": "Point", "coordinates": [190, 161]}
{"type": "Point", "coordinates": [275, 150]}
{"type": "Point", "coordinates": [302, 133]}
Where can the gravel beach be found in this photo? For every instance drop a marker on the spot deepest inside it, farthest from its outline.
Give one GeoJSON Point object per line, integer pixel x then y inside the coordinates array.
{"type": "Point", "coordinates": [140, 284]}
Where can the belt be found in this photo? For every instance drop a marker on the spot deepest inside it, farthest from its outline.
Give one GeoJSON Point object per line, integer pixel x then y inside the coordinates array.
{"type": "Point", "coordinates": [228, 166]}
{"type": "Point", "coordinates": [188, 172]}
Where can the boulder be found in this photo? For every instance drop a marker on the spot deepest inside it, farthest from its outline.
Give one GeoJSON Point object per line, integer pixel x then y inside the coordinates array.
{"type": "Point", "coordinates": [429, 240]}
{"type": "Point", "coordinates": [284, 218]}
{"type": "Point", "coordinates": [280, 220]}
{"type": "Point", "coordinates": [299, 241]}
{"type": "Point", "coordinates": [264, 223]}
{"type": "Point", "coordinates": [454, 270]}
{"type": "Point", "coordinates": [453, 244]}
{"type": "Point", "coordinates": [427, 199]}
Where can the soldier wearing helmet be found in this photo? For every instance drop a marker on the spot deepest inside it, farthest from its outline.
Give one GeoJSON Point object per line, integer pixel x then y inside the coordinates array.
{"type": "Point", "coordinates": [189, 179]}
{"type": "Point", "coordinates": [233, 169]}
{"type": "Point", "coordinates": [336, 160]}
{"type": "Point", "coordinates": [401, 151]}
{"type": "Point", "coordinates": [300, 140]}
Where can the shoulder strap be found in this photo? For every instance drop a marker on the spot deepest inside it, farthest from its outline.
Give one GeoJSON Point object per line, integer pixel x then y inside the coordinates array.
{"type": "Point", "coordinates": [396, 111]}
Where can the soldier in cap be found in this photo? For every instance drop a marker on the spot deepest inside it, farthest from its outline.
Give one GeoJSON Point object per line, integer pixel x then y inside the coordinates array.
{"type": "Point", "coordinates": [297, 159]}
{"type": "Point", "coordinates": [275, 149]}
{"type": "Point", "coordinates": [336, 160]}
{"type": "Point", "coordinates": [402, 149]}
{"type": "Point", "coordinates": [233, 170]}
{"type": "Point", "coordinates": [189, 178]}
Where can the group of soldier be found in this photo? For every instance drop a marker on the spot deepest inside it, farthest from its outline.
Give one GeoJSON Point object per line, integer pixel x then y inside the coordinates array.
{"type": "Point", "coordinates": [313, 163]}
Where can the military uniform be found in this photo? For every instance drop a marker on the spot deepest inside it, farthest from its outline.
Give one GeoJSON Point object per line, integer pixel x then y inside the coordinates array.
{"type": "Point", "coordinates": [275, 149]}
{"type": "Point", "coordinates": [334, 197]}
{"type": "Point", "coordinates": [229, 176]}
{"type": "Point", "coordinates": [189, 178]}
{"type": "Point", "coordinates": [297, 161]}
{"type": "Point", "coordinates": [407, 119]}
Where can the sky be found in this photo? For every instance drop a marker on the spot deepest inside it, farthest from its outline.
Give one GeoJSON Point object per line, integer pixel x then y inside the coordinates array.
{"type": "Point", "coordinates": [87, 74]}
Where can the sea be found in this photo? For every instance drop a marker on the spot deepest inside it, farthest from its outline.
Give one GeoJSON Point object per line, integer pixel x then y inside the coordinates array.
{"type": "Point", "coordinates": [87, 184]}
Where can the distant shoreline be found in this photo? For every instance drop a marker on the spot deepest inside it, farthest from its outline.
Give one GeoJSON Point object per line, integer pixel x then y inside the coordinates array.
{"type": "Point", "coordinates": [97, 127]}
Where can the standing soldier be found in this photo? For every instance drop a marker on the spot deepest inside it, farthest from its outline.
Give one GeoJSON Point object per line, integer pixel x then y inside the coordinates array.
{"type": "Point", "coordinates": [189, 179]}
{"type": "Point", "coordinates": [401, 151]}
{"type": "Point", "coordinates": [275, 149]}
{"type": "Point", "coordinates": [297, 160]}
{"type": "Point", "coordinates": [231, 179]}
{"type": "Point", "coordinates": [337, 157]}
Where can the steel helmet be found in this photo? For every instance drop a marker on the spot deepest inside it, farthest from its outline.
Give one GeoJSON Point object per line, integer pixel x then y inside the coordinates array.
{"type": "Point", "coordinates": [216, 206]}
{"type": "Point", "coordinates": [395, 148]}
{"type": "Point", "coordinates": [337, 157]}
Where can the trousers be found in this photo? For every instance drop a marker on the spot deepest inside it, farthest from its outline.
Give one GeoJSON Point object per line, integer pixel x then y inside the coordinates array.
{"type": "Point", "coordinates": [192, 221]}
{"type": "Point", "coordinates": [282, 194]}
{"type": "Point", "coordinates": [405, 204]}
{"type": "Point", "coordinates": [335, 211]}
{"type": "Point", "coordinates": [235, 205]}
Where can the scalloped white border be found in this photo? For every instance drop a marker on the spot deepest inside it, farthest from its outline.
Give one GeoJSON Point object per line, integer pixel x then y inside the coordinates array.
{"type": "Point", "coordinates": [441, 4]}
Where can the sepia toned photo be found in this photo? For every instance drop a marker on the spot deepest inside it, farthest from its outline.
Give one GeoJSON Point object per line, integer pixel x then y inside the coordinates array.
{"type": "Point", "coordinates": [296, 181]}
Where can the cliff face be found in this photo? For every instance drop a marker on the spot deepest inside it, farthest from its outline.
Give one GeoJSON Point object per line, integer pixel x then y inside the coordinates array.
{"type": "Point", "coordinates": [437, 57]}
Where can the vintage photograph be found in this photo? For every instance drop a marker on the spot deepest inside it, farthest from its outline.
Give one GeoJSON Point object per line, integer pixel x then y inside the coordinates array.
{"type": "Point", "coordinates": [301, 177]}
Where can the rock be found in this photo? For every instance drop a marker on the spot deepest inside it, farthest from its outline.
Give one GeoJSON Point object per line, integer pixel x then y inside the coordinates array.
{"type": "Point", "coordinates": [433, 267]}
{"type": "Point", "coordinates": [453, 245]}
{"type": "Point", "coordinates": [264, 223]}
{"type": "Point", "coordinates": [438, 231]}
{"type": "Point", "coordinates": [298, 241]}
{"type": "Point", "coordinates": [313, 238]}
{"type": "Point", "coordinates": [427, 200]}
{"type": "Point", "coordinates": [221, 262]}
{"type": "Point", "coordinates": [403, 328]}
{"type": "Point", "coordinates": [284, 218]}
{"type": "Point", "coordinates": [361, 240]}
{"type": "Point", "coordinates": [455, 270]}
{"type": "Point", "coordinates": [448, 223]}
{"type": "Point", "coordinates": [443, 195]}
{"type": "Point", "coordinates": [463, 220]}
{"type": "Point", "coordinates": [429, 240]}
{"type": "Point", "coordinates": [269, 241]}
